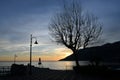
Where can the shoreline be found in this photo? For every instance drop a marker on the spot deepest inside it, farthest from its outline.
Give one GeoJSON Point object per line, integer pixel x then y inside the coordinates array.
{"type": "Point", "coordinates": [49, 74]}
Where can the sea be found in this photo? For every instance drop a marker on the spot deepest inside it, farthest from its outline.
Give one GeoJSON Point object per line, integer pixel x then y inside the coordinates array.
{"type": "Point", "coordinates": [56, 65]}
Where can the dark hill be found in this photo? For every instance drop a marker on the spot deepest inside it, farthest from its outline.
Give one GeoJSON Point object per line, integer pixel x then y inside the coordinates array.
{"type": "Point", "coordinates": [109, 52]}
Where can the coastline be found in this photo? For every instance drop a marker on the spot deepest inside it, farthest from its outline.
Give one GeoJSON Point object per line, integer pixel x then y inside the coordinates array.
{"type": "Point", "coordinates": [49, 74]}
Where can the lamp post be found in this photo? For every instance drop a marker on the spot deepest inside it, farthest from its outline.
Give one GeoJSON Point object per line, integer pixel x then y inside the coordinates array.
{"type": "Point", "coordinates": [15, 58]}
{"type": "Point", "coordinates": [31, 37]}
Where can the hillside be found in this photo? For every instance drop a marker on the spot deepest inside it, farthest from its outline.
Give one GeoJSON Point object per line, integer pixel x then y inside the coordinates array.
{"type": "Point", "coordinates": [107, 52]}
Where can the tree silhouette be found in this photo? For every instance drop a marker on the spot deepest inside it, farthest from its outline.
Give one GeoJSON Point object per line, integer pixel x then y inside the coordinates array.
{"type": "Point", "coordinates": [74, 28]}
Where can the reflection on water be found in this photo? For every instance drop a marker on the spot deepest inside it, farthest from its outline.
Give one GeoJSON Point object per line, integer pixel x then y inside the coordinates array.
{"type": "Point", "coordinates": [62, 65]}
{"type": "Point", "coordinates": [58, 65]}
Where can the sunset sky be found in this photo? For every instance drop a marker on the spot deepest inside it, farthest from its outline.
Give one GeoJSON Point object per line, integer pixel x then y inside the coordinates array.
{"type": "Point", "coordinates": [20, 18]}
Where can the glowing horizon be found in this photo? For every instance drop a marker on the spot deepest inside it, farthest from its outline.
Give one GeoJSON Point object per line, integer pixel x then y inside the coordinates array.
{"type": "Point", "coordinates": [60, 54]}
{"type": "Point", "coordinates": [20, 18]}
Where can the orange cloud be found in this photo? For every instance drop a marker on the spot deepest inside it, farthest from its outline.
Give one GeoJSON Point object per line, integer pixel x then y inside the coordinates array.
{"type": "Point", "coordinates": [55, 55]}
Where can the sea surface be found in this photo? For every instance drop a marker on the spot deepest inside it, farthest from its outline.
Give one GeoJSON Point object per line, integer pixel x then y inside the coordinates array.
{"type": "Point", "coordinates": [56, 65]}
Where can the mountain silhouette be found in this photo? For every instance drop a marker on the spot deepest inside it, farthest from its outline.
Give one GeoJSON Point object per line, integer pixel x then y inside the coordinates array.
{"type": "Point", "coordinates": [109, 52]}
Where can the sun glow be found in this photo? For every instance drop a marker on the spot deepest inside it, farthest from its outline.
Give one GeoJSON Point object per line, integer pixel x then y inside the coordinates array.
{"type": "Point", "coordinates": [68, 53]}
{"type": "Point", "coordinates": [53, 55]}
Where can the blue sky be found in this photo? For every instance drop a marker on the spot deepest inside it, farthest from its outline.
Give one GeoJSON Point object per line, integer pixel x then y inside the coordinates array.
{"type": "Point", "coordinates": [20, 18]}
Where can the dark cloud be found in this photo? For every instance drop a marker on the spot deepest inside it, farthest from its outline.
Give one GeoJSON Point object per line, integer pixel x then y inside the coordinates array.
{"type": "Point", "coordinates": [24, 17]}
{"type": "Point", "coordinates": [19, 7]}
{"type": "Point", "coordinates": [108, 13]}
{"type": "Point", "coordinates": [20, 18]}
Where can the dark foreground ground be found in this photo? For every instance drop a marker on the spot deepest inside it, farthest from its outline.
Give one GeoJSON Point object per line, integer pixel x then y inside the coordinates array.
{"type": "Point", "coordinates": [47, 74]}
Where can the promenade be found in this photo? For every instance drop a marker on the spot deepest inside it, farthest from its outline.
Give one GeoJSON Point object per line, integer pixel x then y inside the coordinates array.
{"type": "Point", "coordinates": [47, 74]}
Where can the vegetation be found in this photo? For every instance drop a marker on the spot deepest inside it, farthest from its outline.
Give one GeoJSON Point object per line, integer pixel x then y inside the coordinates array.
{"type": "Point", "coordinates": [74, 28]}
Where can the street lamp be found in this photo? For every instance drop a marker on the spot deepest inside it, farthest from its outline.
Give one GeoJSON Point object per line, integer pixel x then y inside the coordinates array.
{"type": "Point", "coordinates": [15, 56]}
{"type": "Point", "coordinates": [31, 37]}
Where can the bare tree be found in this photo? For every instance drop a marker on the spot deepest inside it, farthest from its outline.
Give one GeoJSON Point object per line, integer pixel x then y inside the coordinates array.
{"type": "Point", "coordinates": [74, 29]}
{"type": "Point", "coordinates": [92, 30]}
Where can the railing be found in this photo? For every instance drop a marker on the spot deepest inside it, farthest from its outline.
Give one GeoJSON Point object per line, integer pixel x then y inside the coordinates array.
{"type": "Point", "coordinates": [4, 70]}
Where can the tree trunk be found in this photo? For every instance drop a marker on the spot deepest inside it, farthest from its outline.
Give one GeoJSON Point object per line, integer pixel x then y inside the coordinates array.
{"type": "Point", "coordinates": [76, 57]}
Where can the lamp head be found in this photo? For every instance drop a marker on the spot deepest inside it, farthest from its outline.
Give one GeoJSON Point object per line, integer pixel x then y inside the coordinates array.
{"type": "Point", "coordinates": [36, 42]}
